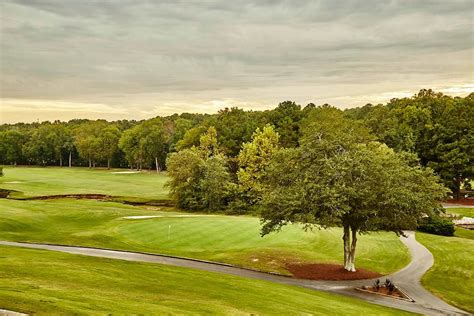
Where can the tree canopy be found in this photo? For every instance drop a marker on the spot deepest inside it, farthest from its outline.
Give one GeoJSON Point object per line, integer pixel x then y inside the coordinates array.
{"type": "Point", "coordinates": [199, 177]}
{"type": "Point", "coordinates": [339, 177]}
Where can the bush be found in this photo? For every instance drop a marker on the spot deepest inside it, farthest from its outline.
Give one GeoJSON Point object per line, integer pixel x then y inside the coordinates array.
{"type": "Point", "coordinates": [1, 171]}
{"type": "Point", "coordinates": [437, 226]}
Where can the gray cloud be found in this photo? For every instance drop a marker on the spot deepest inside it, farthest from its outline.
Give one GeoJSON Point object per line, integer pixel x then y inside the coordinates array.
{"type": "Point", "coordinates": [144, 54]}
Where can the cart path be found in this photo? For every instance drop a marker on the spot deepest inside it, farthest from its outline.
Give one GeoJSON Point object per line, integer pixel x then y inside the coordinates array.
{"type": "Point", "coordinates": [408, 279]}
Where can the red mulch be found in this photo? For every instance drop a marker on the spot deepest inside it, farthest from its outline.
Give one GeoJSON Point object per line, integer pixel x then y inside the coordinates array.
{"type": "Point", "coordinates": [469, 201]}
{"type": "Point", "coordinates": [328, 272]}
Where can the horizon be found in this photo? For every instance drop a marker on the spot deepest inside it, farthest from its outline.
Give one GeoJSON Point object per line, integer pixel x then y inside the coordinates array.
{"type": "Point", "coordinates": [270, 107]}
{"type": "Point", "coordinates": [137, 60]}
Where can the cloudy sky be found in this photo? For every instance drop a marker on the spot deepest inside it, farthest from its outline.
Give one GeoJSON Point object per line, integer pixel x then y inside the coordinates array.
{"type": "Point", "coordinates": [136, 59]}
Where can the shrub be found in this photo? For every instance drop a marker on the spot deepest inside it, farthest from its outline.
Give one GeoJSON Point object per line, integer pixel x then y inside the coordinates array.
{"type": "Point", "coordinates": [1, 171]}
{"type": "Point", "coordinates": [389, 285]}
{"type": "Point", "coordinates": [437, 226]}
{"type": "Point", "coordinates": [377, 284]}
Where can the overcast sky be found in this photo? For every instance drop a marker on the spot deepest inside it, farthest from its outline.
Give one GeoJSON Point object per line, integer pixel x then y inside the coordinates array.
{"type": "Point", "coordinates": [136, 59]}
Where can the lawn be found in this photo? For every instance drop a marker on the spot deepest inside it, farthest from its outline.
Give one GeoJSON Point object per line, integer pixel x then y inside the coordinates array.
{"type": "Point", "coordinates": [464, 233]}
{"type": "Point", "coordinates": [451, 277]}
{"type": "Point", "coordinates": [36, 181]}
{"type": "Point", "coordinates": [231, 239]}
{"type": "Point", "coordinates": [462, 211]}
{"type": "Point", "coordinates": [60, 283]}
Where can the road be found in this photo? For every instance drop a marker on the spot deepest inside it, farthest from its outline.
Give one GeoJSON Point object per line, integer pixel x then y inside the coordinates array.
{"type": "Point", "coordinates": [408, 279]}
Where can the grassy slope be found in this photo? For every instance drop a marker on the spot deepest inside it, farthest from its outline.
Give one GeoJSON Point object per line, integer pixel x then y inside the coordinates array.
{"type": "Point", "coordinates": [222, 238]}
{"type": "Point", "coordinates": [462, 211]}
{"type": "Point", "coordinates": [464, 233]}
{"type": "Point", "coordinates": [63, 283]}
{"type": "Point", "coordinates": [53, 181]}
{"type": "Point", "coordinates": [451, 277]}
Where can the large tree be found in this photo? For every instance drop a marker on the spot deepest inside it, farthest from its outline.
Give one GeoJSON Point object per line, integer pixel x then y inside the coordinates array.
{"type": "Point", "coordinates": [11, 143]}
{"type": "Point", "coordinates": [199, 177]}
{"type": "Point", "coordinates": [340, 177]}
{"type": "Point", "coordinates": [130, 144]}
{"type": "Point", "coordinates": [154, 143]}
{"type": "Point", "coordinates": [108, 140]}
{"type": "Point", "coordinates": [253, 159]}
{"type": "Point", "coordinates": [87, 140]}
{"type": "Point", "coordinates": [146, 143]}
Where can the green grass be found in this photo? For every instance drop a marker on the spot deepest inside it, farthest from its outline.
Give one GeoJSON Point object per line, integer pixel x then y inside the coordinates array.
{"type": "Point", "coordinates": [231, 239]}
{"type": "Point", "coordinates": [464, 233]}
{"type": "Point", "coordinates": [54, 181]}
{"type": "Point", "coordinates": [59, 283]}
{"type": "Point", "coordinates": [451, 277]}
{"type": "Point", "coordinates": [462, 211]}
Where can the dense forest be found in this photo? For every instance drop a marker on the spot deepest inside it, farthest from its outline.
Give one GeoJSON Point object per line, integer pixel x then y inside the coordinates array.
{"type": "Point", "coordinates": [436, 128]}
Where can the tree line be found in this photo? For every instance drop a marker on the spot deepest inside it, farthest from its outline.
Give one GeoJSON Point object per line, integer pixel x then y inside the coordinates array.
{"type": "Point", "coordinates": [435, 127]}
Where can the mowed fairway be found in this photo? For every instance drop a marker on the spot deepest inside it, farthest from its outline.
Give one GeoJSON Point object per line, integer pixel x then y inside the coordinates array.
{"type": "Point", "coordinates": [36, 181]}
{"type": "Point", "coordinates": [231, 239]}
{"type": "Point", "coordinates": [70, 284]}
{"type": "Point", "coordinates": [451, 277]}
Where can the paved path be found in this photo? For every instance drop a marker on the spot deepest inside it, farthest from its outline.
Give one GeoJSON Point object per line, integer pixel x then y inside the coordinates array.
{"type": "Point", "coordinates": [453, 205]}
{"type": "Point", "coordinates": [4, 312]}
{"type": "Point", "coordinates": [408, 279]}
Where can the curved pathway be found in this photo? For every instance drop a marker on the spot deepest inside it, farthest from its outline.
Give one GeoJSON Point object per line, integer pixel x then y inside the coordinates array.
{"type": "Point", "coordinates": [407, 279]}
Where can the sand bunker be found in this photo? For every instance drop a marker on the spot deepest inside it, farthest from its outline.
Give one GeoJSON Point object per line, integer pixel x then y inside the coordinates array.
{"type": "Point", "coordinates": [164, 216]}
{"type": "Point", "coordinates": [13, 182]}
{"type": "Point", "coordinates": [125, 172]}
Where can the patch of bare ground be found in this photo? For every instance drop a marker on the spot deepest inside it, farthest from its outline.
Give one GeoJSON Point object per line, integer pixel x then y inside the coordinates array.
{"type": "Point", "coordinates": [465, 201]}
{"type": "Point", "coordinates": [72, 196]}
{"type": "Point", "coordinates": [328, 272]}
{"type": "Point", "coordinates": [384, 291]}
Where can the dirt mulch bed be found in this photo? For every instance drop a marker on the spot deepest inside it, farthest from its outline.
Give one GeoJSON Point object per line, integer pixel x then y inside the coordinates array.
{"type": "Point", "coordinates": [396, 293]}
{"type": "Point", "coordinates": [72, 196]}
{"type": "Point", "coordinates": [468, 201]}
{"type": "Point", "coordinates": [329, 272]}
{"type": "Point", "coordinates": [4, 193]}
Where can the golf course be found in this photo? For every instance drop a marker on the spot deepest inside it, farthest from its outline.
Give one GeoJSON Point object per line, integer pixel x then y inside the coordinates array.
{"type": "Point", "coordinates": [36, 211]}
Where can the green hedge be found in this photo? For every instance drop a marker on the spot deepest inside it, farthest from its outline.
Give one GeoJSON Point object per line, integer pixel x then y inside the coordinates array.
{"type": "Point", "coordinates": [437, 226]}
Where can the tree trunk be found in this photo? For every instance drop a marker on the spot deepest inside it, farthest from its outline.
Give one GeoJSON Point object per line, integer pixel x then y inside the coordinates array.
{"type": "Point", "coordinates": [349, 248]}
{"type": "Point", "coordinates": [458, 188]}
{"type": "Point", "coordinates": [353, 248]}
{"type": "Point", "coordinates": [60, 160]}
{"type": "Point", "coordinates": [158, 169]}
{"type": "Point", "coordinates": [70, 159]}
{"type": "Point", "coordinates": [108, 163]}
